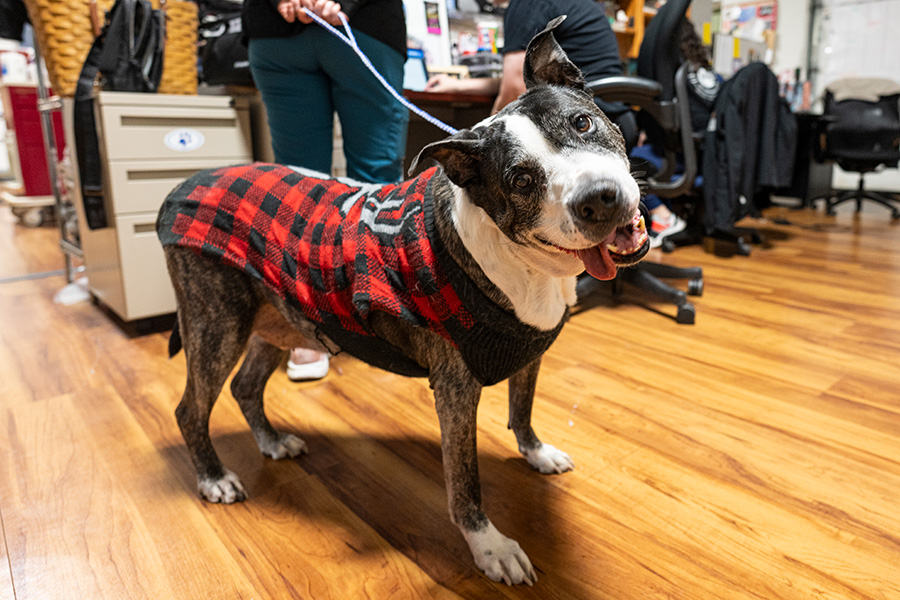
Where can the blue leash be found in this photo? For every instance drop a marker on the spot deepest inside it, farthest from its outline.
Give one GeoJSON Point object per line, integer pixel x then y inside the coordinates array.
{"type": "Point", "coordinates": [351, 41]}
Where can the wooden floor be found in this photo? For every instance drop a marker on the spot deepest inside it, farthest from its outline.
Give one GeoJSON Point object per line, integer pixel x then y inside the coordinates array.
{"type": "Point", "coordinates": [755, 454]}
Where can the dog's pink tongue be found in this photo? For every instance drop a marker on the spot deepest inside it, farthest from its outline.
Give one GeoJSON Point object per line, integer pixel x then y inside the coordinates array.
{"type": "Point", "coordinates": [597, 260]}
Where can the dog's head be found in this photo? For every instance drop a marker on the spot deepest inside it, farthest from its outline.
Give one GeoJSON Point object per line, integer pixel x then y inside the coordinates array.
{"type": "Point", "coordinates": [551, 171]}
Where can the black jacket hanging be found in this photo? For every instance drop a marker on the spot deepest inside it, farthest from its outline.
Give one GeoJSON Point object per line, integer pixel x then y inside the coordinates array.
{"type": "Point", "coordinates": [748, 149]}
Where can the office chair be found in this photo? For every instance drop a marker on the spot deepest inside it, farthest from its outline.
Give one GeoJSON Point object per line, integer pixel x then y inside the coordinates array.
{"type": "Point", "coordinates": [660, 91]}
{"type": "Point", "coordinates": [861, 136]}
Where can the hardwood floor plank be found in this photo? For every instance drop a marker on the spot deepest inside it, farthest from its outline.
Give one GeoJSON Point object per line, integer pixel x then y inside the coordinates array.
{"type": "Point", "coordinates": [40, 339]}
{"type": "Point", "coordinates": [6, 581]}
{"type": "Point", "coordinates": [27, 250]}
{"type": "Point", "coordinates": [755, 454]}
{"type": "Point", "coordinates": [77, 529]}
{"type": "Point", "coordinates": [387, 472]}
{"type": "Point", "coordinates": [747, 547]}
{"type": "Point", "coordinates": [524, 504]}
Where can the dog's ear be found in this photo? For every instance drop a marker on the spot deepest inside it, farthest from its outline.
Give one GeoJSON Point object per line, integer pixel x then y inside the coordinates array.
{"type": "Point", "coordinates": [546, 62]}
{"type": "Point", "coordinates": [459, 154]}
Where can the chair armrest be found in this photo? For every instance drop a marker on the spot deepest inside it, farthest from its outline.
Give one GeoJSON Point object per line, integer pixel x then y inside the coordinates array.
{"type": "Point", "coordinates": [636, 91]}
{"type": "Point", "coordinates": [631, 90]}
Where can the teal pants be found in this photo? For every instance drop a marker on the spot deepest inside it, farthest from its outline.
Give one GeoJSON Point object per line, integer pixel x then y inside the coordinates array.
{"type": "Point", "coordinates": [306, 78]}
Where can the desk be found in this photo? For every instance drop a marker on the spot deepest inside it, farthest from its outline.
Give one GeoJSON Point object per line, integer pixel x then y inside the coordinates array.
{"type": "Point", "coordinates": [457, 110]}
{"type": "Point", "coordinates": [812, 177]}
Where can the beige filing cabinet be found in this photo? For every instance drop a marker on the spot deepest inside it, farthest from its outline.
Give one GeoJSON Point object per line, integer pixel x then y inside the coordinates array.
{"type": "Point", "coordinates": [148, 144]}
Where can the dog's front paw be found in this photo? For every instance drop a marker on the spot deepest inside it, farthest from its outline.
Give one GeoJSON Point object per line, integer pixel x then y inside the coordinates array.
{"type": "Point", "coordinates": [226, 490]}
{"type": "Point", "coordinates": [500, 557]}
{"type": "Point", "coordinates": [285, 445]}
{"type": "Point", "coordinates": [548, 459]}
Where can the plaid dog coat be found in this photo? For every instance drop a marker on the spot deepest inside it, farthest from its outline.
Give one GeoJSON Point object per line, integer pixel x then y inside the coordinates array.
{"type": "Point", "coordinates": [338, 250]}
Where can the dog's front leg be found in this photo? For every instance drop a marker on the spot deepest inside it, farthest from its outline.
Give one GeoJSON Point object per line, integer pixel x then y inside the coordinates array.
{"type": "Point", "coordinates": [543, 457]}
{"type": "Point", "coordinates": [456, 395]}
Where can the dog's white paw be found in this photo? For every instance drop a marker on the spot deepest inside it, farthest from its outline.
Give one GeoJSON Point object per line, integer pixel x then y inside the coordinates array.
{"type": "Point", "coordinates": [286, 445]}
{"type": "Point", "coordinates": [226, 490]}
{"type": "Point", "coordinates": [500, 557]}
{"type": "Point", "coordinates": [549, 459]}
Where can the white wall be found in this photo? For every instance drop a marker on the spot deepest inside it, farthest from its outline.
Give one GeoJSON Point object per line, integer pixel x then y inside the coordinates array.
{"type": "Point", "coordinates": [791, 36]}
{"type": "Point", "coordinates": [436, 46]}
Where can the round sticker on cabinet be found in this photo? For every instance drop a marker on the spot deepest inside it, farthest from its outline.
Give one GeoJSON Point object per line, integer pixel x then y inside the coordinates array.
{"type": "Point", "coordinates": [184, 140]}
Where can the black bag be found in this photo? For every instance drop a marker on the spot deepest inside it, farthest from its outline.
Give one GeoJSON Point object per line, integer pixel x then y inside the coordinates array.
{"type": "Point", "coordinates": [132, 56]}
{"type": "Point", "coordinates": [223, 55]}
{"type": "Point", "coordinates": [129, 54]}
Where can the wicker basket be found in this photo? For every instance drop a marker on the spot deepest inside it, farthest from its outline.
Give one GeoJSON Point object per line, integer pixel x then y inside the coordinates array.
{"type": "Point", "coordinates": [65, 35]}
{"type": "Point", "coordinates": [180, 64]}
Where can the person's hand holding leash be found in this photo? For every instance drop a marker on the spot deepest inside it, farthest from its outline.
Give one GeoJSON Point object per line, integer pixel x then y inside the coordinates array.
{"type": "Point", "coordinates": [327, 9]}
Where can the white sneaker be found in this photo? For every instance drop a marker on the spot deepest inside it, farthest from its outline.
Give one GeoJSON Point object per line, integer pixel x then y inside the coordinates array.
{"type": "Point", "coordinates": [308, 371]}
{"type": "Point", "coordinates": [660, 229]}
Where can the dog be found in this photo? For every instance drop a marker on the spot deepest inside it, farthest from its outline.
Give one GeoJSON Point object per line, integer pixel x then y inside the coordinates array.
{"type": "Point", "coordinates": [464, 274]}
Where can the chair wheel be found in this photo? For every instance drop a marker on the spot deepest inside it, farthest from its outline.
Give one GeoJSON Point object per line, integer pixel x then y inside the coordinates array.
{"type": "Point", "coordinates": [32, 217]}
{"type": "Point", "coordinates": [668, 246]}
{"type": "Point", "coordinates": [695, 287]}
{"type": "Point", "coordinates": [686, 314]}
{"type": "Point", "coordinates": [743, 248]}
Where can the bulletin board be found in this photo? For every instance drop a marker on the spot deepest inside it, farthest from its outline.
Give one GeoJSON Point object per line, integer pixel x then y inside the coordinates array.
{"type": "Point", "coordinates": [749, 20]}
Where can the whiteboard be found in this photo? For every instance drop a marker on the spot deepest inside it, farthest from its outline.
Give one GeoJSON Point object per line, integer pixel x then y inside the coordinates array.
{"type": "Point", "coordinates": [858, 38]}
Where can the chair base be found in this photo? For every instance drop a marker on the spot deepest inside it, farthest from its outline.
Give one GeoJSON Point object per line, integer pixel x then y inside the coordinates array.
{"type": "Point", "coordinates": [861, 194]}
{"type": "Point", "coordinates": [647, 277]}
{"type": "Point", "coordinates": [736, 240]}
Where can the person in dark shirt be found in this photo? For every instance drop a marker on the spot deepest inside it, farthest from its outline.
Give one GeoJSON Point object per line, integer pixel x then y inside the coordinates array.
{"type": "Point", "coordinates": [305, 74]}
{"type": "Point", "coordinates": [703, 87]}
{"type": "Point", "coordinates": [585, 35]}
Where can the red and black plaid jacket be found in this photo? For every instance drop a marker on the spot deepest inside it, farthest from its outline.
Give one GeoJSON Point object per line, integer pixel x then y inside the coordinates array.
{"type": "Point", "coordinates": [338, 251]}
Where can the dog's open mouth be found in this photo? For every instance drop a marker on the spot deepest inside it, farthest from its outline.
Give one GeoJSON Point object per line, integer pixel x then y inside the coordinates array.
{"type": "Point", "coordinates": [625, 246]}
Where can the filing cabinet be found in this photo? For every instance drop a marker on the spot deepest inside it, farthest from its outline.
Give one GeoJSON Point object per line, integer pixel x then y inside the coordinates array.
{"type": "Point", "coordinates": [148, 144]}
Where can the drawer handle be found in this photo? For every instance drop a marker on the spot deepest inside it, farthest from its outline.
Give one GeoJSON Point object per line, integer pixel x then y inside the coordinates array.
{"type": "Point", "coordinates": [152, 174]}
{"type": "Point", "coordinates": [145, 227]}
{"type": "Point", "coordinates": [176, 122]}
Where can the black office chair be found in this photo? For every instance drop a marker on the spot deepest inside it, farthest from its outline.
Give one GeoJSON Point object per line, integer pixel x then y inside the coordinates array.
{"type": "Point", "coordinates": [660, 91]}
{"type": "Point", "coordinates": [862, 137]}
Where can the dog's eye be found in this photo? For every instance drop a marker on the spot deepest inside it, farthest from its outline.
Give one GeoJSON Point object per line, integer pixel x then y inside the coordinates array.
{"type": "Point", "coordinates": [522, 180]}
{"type": "Point", "coordinates": [582, 123]}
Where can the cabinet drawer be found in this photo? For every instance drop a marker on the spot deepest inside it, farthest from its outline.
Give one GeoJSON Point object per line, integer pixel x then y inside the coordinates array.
{"type": "Point", "coordinates": [141, 132]}
{"type": "Point", "coordinates": [145, 278]}
{"type": "Point", "coordinates": [138, 187]}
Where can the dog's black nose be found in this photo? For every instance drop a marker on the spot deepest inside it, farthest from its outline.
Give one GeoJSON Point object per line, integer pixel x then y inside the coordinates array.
{"type": "Point", "coordinates": [596, 205]}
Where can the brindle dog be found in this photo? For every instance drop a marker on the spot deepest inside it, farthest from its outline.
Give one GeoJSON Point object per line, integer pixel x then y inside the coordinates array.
{"type": "Point", "coordinates": [522, 203]}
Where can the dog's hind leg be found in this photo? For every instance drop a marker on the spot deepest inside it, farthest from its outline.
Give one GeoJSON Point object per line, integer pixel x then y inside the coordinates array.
{"type": "Point", "coordinates": [207, 370]}
{"type": "Point", "coordinates": [247, 387]}
{"type": "Point", "coordinates": [543, 457]}
{"type": "Point", "coordinates": [215, 314]}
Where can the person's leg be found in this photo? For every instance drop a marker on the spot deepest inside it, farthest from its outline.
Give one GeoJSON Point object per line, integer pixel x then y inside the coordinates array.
{"type": "Point", "coordinates": [373, 122]}
{"type": "Point", "coordinates": [297, 95]}
{"type": "Point", "coordinates": [663, 222]}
